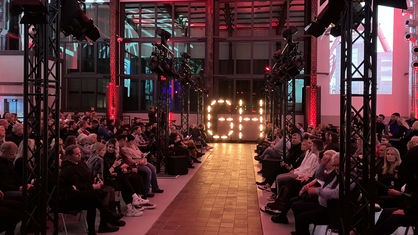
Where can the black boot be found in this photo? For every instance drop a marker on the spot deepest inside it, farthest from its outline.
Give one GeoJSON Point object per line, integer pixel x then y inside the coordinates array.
{"type": "Point", "coordinates": [280, 219]}
{"type": "Point", "coordinates": [107, 228]}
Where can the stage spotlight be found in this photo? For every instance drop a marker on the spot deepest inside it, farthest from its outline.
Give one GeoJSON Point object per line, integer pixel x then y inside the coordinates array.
{"type": "Point", "coordinates": [288, 33]}
{"type": "Point", "coordinates": [163, 34]}
{"type": "Point", "coordinates": [415, 50]}
{"type": "Point", "coordinates": [410, 23]}
{"type": "Point", "coordinates": [34, 11]}
{"type": "Point", "coordinates": [331, 14]}
{"type": "Point", "coordinates": [408, 12]}
{"type": "Point", "coordinates": [75, 22]}
{"type": "Point", "coordinates": [393, 3]}
{"type": "Point", "coordinates": [414, 65]}
{"type": "Point", "coordinates": [411, 37]}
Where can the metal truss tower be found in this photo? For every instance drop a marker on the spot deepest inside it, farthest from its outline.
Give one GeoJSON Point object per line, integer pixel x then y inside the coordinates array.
{"type": "Point", "coordinates": [41, 116]}
{"type": "Point", "coordinates": [163, 110]}
{"type": "Point", "coordinates": [185, 108]}
{"type": "Point", "coordinates": [358, 118]}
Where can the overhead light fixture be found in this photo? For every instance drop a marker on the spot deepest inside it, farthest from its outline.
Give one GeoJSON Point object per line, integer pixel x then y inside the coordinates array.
{"type": "Point", "coordinates": [415, 50]}
{"type": "Point", "coordinates": [331, 14]}
{"type": "Point", "coordinates": [414, 65]}
{"type": "Point", "coordinates": [75, 22]}
{"type": "Point", "coordinates": [410, 23]}
{"type": "Point", "coordinates": [393, 3]}
{"type": "Point", "coordinates": [411, 37]}
{"type": "Point", "coordinates": [34, 11]}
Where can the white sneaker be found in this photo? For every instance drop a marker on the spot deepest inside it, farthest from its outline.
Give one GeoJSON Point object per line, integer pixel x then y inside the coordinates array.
{"type": "Point", "coordinates": [149, 206]}
{"type": "Point", "coordinates": [132, 212]}
{"type": "Point", "coordinates": [138, 201]}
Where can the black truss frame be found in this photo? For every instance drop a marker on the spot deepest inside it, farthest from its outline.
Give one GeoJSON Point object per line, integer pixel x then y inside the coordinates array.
{"type": "Point", "coordinates": [357, 206]}
{"type": "Point", "coordinates": [41, 102]}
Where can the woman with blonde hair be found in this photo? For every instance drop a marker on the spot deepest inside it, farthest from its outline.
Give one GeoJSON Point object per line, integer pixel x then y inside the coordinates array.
{"type": "Point", "coordinates": [392, 160]}
{"type": "Point", "coordinates": [388, 178]}
{"type": "Point", "coordinates": [95, 162]}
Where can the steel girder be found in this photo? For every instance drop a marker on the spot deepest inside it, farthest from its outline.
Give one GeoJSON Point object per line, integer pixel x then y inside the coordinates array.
{"type": "Point", "coordinates": [358, 121]}
{"type": "Point", "coordinates": [41, 117]}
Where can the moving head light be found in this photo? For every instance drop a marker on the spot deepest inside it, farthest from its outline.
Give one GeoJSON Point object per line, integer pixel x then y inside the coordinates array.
{"type": "Point", "coordinates": [75, 22]}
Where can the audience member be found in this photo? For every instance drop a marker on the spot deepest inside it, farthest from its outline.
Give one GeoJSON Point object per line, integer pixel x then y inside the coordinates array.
{"type": "Point", "coordinates": [77, 190]}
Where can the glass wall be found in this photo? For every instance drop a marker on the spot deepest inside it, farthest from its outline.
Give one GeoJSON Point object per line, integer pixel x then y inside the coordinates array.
{"type": "Point", "coordinates": [248, 33]}
{"type": "Point", "coordinates": [186, 22]}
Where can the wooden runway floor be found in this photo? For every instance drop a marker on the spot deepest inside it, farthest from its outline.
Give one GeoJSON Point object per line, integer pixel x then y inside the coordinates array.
{"type": "Point", "coordinates": [221, 198]}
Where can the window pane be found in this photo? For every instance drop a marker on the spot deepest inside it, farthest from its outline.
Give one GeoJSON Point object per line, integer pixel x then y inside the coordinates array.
{"type": "Point", "coordinates": [242, 50]}
{"type": "Point", "coordinates": [198, 19]}
{"type": "Point", "coordinates": [131, 60]}
{"type": "Point", "coordinates": [243, 66]}
{"type": "Point", "coordinates": [103, 59]}
{"type": "Point", "coordinates": [147, 94]}
{"type": "Point", "coordinates": [87, 58]}
{"type": "Point", "coordinates": [164, 20]}
{"type": "Point", "coordinates": [146, 50]}
{"type": "Point", "coordinates": [226, 88]}
{"type": "Point", "coordinates": [130, 91]}
{"type": "Point", "coordinates": [181, 20]}
{"type": "Point", "coordinates": [131, 20]}
{"type": "Point", "coordinates": [243, 92]}
{"type": "Point", "coordinates": [103, 21]}
{"type": "Point", "coordinates": [259, 66]}
{"type": "Point", "coordinates": [257, 93]}
{"type": "Point", "coordinates": [147, 20]}
{"type": "Point", "coordinates": [71, 54]}
{"type": "Point", "coordinates": [101, 93]}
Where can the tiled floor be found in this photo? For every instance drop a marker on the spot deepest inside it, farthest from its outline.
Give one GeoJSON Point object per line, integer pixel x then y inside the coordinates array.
{"type": "Point", "coordinates": [220, 199]}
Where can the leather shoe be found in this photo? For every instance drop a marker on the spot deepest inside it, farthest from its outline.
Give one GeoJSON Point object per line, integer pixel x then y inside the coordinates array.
{"type": "Point", "coordinates": [150, 195]}
{"type": "Point", "coordinates": [107, 228]}
{"type": "Point", "coordinates": [118, 223]}
{"type": "Point", "coordinates": [261, 183]}
{"type": "Point", "coordinates": [158, 191]}
{"type": "Point", "coordinates": [197, 161]}
{"type": "Point", "coordinates": [280, 219]}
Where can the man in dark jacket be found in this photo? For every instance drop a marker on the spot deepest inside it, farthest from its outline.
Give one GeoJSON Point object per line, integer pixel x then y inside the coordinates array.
{"type": "Point", "coordinates": [11, 205]}
{"type": "Point", "coordinates": [79, 191]}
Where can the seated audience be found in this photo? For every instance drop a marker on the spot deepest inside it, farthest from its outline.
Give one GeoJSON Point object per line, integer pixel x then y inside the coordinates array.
{"type": "Point", "coordinates": [407, 213]}
{"type": "Point", "coordinates": [134, 157]}
{"type": "Point", "coordinates": [125, 178]}
{"type": "Point", "coordinates": [388, 178]}
{"type": "Point", "coordinates": [314, 208]}
{"type": "Point", "coordinates": [78, 191]}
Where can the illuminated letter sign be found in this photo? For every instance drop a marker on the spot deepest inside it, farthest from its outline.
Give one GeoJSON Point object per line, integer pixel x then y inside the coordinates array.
{"type": "Point", "coordinates": [211, 116]}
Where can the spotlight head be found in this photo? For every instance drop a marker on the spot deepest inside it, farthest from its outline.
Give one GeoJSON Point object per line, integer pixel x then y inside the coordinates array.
{"type": "Point", "coordinates": [393, 3]}
{"type": "Point", "coordinates": [185, 55]}
{"type": "Point", "coordinates": [34, 11]}
{"type": "Point", "coordinates": [414, 65]}
{"type": "Point", "coordinates": [415, 50]}
{"type": "Point", "coordinates": [163, 34]}
{"type": "Point", "coordinates": [75, 22]}
{"type": "Point", "coordinates": [315, 29]}
{"type": "Point", "coordinates": [410, 23]}
{"type": "Point", "coordinates": [410, 37]}
{"type": "Point", "coordinates": [288, 33]}
{"type": "Point", "coordinates": [331, 14]}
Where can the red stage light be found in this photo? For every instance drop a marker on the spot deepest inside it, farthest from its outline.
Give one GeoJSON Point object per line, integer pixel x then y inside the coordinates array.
{"type": "Point", "coordinates": [267, 69]}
